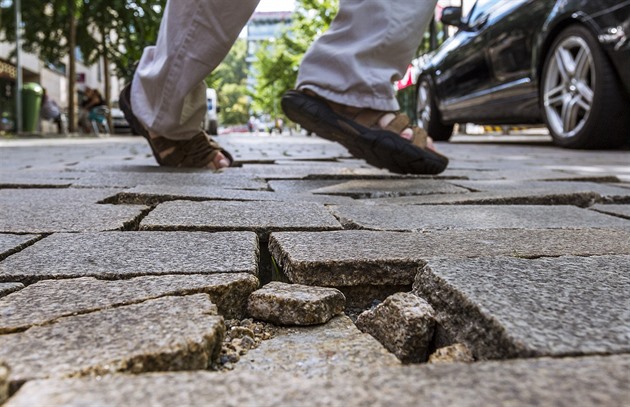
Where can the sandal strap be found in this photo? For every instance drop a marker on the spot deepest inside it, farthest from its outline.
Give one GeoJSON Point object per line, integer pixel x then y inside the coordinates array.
{"type": "Point", "coordinates": [399, 123]}
{"type": "Point", "coordinates": [198, 152]}
{"type": "Point", "coordinates": [420, 137]}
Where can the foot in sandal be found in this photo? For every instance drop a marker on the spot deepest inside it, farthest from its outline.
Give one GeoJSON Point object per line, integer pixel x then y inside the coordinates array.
{"type": "Point", "coordinates": [199, 152]}
{"type": "Point", "coordinates": [383, 139]}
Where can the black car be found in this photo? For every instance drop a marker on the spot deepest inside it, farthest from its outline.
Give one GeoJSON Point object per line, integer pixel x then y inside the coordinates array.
{"type": "Point", "coordinates": [564, 63]}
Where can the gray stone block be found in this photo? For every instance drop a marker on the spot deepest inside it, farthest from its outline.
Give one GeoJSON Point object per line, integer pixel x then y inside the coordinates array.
{"type": "Point", "coordinates": [114, 255]}
{"type": "Point", "coordinates": [591, 381]}
{"type": "Point", "coordinates": [361, 257]}
{"type": "Point", "coordinates": [63, 210]}
{"type": "Point", "coordinates": [166, 334]}
{"type": "Point", "coordinates": [403, 323]}
{"type": "Point", "coordinates": [507, 307]}
{"type": "Point", "coordinates": [362, 189]}
{"type": "Point", "coordinates": [4, 382]}
{"type": "Point", "coordinates": [427, 217]}
{"type": "Point", "coordinates": [46, 301]}
{"type": "Point", "coordinates": [261, 217]}
{"type": "Point", "coordinates": [10, 244]}
{"type": "Point", "coordinates": [295, 304]}
{"type": "Point", "coordinates": [318, 351]}
{"type": "Point", "coordinates": [623, 211]}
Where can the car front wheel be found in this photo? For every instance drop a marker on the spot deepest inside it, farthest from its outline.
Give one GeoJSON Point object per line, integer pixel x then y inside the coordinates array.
{"type": "Point", "coordinates": [428, 115]}
{"type": "Point", "coordinates": [582, 101]}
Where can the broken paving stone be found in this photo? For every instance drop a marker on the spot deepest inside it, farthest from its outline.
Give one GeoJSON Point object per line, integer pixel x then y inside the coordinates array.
{"type": "Point", "coordinates": [622, 211]}
{"type": "Point", "coordinates": [368, 189]}
{"type": "Point", "coordinates": [169, 333]}
{"type": "Point", "coordinates": [456, 353]}
{"type": "Point", "coordinates": [427, 217]}
{"type": "Point", "coordinates": [322, 350]}
{"type": "Point", "coordinates": [8, 288]}
{"type": "Point", "coordinates": [586, 381]}
{"type": "Point", "coordinates": [294, 304]}
{"type": "Point", "coordinates": [10, 244]}
{"type": "Point", "coordinates": [403, 323]}
{"type": "Point", "coordinates": [505, 307]}
{"type": "Point", "coordinates": [115, 255]}
{"type": "Point", "coordinates": [372, 258]}
{"type": "Point", "coordinates": [48, 300]}
{"type": "Point", "coordinates": [261, 217]}
{"type": "Point", "coordinates": [4, 382]}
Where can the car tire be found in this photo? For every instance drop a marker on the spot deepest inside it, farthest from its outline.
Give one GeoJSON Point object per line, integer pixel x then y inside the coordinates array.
{"type": "Point", "coordinates": [581, 97]}
{"type": "Point", "coordinates": [427, 113]}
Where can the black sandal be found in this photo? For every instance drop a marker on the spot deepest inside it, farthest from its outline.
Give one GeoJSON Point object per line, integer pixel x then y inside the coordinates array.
{"type": "Point", "coordinates": [358, 131]}
{"type": "Point", "coordinates": [198, 152]}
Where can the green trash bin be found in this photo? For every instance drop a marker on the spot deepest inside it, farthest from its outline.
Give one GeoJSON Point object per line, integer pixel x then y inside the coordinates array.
{"type": "Point", "coordinates": [31, 104]}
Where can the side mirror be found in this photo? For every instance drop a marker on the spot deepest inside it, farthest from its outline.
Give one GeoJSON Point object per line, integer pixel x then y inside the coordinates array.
{"type": "Point", "coordinates": [452, 16]}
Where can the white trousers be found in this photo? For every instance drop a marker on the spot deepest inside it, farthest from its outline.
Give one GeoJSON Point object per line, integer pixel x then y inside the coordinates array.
{"type": "Point", "coordinates": [369, 45]}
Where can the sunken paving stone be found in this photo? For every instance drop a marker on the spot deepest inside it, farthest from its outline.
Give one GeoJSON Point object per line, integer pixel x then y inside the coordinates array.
{"type": "Point", "coordinates": [589, 381]}
{"type": "Point", "coordinates": [114, 255]}
{"type": "Point", "coordinates": [8, 288]}
{"type": "Point", "coordinates": [321, 350]}
{"type": "Point", "coordinates": [10, 244]}
{"type": "Point", "coordinates": [63, 210]}
{"type": "Point", "coordinates": [260, 217]}
{"type": "Point", "coordinates": [507, 307]}
{"type": "Point", "coordinates": [362, 189]}
{"type": "Point", "coordinates": [153, 194]}
{"type": "Point", "coordinates": [361, 257]}
{"type": "Point", "coordinates": [49, 300]}
{"type": "Point", "coordinates": [623, 211]}
{"type": "Point", "coordinates": [427, 217]}
{"type": "Point", "coordinates": [295, 304]}
{"type": "Point", "coordinates": [169, 333]}
{"type": "Point", "coordinates": [403, 323]}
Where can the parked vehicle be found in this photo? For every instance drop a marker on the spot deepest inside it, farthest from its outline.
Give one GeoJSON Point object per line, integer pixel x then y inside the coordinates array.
{"type": "Point", "coordinates": [119, 122]}
{"type": "Point", "coordinates": [211, 122]}
{"type": "Point", "coordinates": [564, 63]}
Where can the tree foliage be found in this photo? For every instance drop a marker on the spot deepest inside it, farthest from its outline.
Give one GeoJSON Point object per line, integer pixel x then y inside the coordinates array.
{"type": "Point", "coordinates": [277, 60]}
{"type": "Point", "coordinates": [230, 81]}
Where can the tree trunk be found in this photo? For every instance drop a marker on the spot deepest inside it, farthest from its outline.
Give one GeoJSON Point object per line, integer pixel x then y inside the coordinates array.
{"type": "Point", "coordinates": [72, 71]}
{"type": "Point", "coordinates": [108, 90]}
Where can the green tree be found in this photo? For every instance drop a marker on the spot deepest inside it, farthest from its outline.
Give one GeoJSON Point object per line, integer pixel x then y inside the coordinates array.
{"type": "Point", "coordinates": [230, 81]}
{"type": "Point", "coordinates": [277, 60]}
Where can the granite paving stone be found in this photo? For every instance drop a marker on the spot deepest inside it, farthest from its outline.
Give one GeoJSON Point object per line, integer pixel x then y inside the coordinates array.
{"type": "Point", "coordinates": [588, 381]}
{"type": "Point", "coordinates": [294, 172]}
{"type": "Point", "coordinates": [165, 334]}
{"type": "Point", "coordinates": [427, 217]}
{"type": "Point", "coordinates": [505, 307]}
{"type": "Point", "coordinates": [356, 257]}
{"type": "Point", "coordinates": [261, 217]}
{"type": "Point", "coordinates": [404, 323]}
{"type": "Point", "coordinates": [365, 189]}
{"type": "Point", "coordinates": [152, 194]}
{"type": "Point", "coordinates": [62, 210]}
{"type": "Point", "coordinates": [295, 304]}
{"type": "Point", "coordinates": [622, 211]}
{"type": "Point", "coordinates": [11, 243]}
{"type": "Point", "coordinates": [302, 186]}
{"type": "Point", "coordinates": [603, 190]}
{"type": "Point", "coordinates": [4, 382]}
{"type": "Point", "coordinates": [113, 255]}
{"type": "Point", "coordinates": [318, 351]}
{"type": "Point", "coordinates": [8, 288]}
{"type": "Point", "coordinates": [46, 301]}
{"type": "Point", "coordinates": [453, 353]}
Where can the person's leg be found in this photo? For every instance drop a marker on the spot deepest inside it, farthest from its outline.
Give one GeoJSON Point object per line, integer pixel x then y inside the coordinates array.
{"type": "Point", "coordinates": [166, 100]}
{"type": "Point", "coordinates": [368, 46]}
{"type": "Point", "coordinates": [345, 84]}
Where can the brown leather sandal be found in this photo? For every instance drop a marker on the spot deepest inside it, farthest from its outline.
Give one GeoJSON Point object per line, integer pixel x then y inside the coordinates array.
{"type": "Point", "coordinates": [359, 131]}
{"type": "Point", "coordinates": [198, 152]}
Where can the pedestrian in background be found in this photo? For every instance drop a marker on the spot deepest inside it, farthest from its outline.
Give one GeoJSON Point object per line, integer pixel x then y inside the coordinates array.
{"type": "Point", "coordinates": [344, 90]}
{"type": "Point", "coordinates": [50, 111]}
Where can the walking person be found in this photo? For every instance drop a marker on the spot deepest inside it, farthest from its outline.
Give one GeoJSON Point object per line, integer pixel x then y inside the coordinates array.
{"type": "Point", "coordinates": [344, 90]}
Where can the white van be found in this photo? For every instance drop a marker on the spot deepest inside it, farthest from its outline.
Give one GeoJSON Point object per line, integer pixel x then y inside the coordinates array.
{"type": "Point", "coordinates": [211, 122]}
